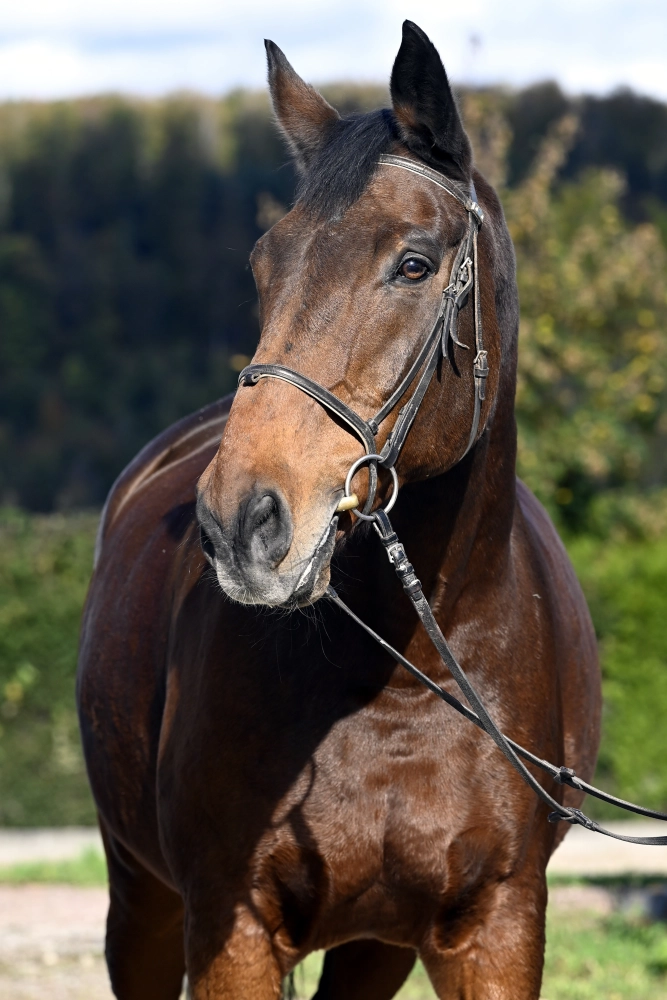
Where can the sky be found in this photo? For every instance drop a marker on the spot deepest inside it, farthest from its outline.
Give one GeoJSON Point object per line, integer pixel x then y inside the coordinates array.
{"type": "Point", "coordinates": [63, 48]}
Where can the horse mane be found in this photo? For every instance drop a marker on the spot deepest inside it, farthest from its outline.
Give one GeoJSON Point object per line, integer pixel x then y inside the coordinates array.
{"type": "Point", "coordinates": [345, 163]}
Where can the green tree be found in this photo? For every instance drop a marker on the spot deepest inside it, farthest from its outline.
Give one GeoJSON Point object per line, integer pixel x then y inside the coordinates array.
{"type": "Point", "coordinates": [593, 337]}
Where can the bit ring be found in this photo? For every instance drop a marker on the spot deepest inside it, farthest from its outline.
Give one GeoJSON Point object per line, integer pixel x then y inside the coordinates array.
{"type": "Point", "coordinates": [348, 485]}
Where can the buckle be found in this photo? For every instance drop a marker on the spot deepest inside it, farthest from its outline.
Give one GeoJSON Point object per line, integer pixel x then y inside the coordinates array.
{"type": "Point", "coordinates": [480, 365]}
{"type": "Point", "coordinates": [476, 210]}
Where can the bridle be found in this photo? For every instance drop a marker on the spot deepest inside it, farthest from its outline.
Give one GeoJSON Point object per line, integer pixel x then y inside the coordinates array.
{"type": "Point", "coordinates": [464, 278]}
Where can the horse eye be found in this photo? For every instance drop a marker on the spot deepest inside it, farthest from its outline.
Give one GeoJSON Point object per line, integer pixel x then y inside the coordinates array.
{"type": "Point", "coordinates": [413, 268]}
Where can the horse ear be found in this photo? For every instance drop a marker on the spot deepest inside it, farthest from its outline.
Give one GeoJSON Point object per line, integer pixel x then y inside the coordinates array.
{"type": "Point", "coordinates": [428, 119]}
{"type": "Point", "coordinates": [303, 115]}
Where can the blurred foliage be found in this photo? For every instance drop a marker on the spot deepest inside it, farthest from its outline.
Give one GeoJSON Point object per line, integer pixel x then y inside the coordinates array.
{"type": "Point", "coordinates": [125, 230]}
{"type": "Point", "coordinates": [591, 405]}
{"type": "Point", "coordinates": [625, 582]}
{"type": "Point", "coordinates": [126, 300]}
{"type": "Point", "coordinates": [45, 565]}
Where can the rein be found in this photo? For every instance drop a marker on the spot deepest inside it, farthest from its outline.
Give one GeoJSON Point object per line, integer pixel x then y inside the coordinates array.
{"type": "Point", "coordinates": [464, 277]}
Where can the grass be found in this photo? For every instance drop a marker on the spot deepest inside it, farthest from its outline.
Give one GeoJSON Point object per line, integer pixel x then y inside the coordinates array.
{"type": "Point", "coordinates": [89, 869]}
{"type": "Point", "coordinates": [604, 958]}
{"type": "Point", "coordinates": [588, 957]}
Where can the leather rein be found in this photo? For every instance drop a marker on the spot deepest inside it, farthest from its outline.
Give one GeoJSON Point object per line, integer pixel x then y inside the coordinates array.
{"type": "Point", "coordinates": [463, 280]}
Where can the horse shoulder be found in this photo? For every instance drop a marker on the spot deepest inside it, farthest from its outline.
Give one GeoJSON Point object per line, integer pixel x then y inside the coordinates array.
{"type": "Point", "coordinates": [168, 458]}
{"type": "Point", "coordinates": [146, 536]}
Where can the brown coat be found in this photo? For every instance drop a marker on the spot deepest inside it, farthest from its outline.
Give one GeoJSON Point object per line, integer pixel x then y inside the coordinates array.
{"type": "Point", "coordinates": [268, 781]}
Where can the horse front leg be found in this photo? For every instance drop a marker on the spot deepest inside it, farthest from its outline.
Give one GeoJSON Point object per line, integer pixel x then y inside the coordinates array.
{"type": "Point", "coordinates": [233, 962]}
{"type": "Point", "coordinates": [144, 939]}
{"type": "Point", "coordinates": [501, 958]}
{"type": "Point", "coordinates": [364, 970]}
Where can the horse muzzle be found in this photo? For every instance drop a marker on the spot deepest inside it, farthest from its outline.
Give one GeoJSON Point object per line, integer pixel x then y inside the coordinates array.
{"type": "Point", "coordinates": [256, 557]}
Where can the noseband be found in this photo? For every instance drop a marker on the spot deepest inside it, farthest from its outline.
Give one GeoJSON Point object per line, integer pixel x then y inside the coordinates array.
{"type": "Point", "coordinates": [463, 278]}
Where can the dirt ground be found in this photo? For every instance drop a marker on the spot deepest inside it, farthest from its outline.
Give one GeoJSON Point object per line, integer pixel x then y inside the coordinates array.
{"type": "Point", "coordinates": [51, 943]}
{"type": "Point", "coordinates": [51, 939]}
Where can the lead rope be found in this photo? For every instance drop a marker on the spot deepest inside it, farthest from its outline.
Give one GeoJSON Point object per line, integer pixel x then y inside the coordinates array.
{"type": "Point", "coordinates": [479, 716]}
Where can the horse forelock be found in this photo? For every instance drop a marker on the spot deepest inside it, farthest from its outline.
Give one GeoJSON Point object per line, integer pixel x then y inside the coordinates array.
{"type": "Point", "coordinates": [347, 160]}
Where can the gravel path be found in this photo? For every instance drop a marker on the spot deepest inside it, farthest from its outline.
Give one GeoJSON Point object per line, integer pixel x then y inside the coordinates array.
{"type": "Point", "coordinates": [586, 853]}
{"type": "Point", "coordinates": [54, 844]}
{"type": "Point", "coordinates": [51, 943]}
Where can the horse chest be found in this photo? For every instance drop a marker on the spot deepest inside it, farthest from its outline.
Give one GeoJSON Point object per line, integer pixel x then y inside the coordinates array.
{"type": "Point", "coordinates": [374, 831]}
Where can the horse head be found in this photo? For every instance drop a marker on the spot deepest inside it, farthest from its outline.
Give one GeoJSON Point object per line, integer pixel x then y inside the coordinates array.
{"type": "Point", "coordinates": [352, 282]}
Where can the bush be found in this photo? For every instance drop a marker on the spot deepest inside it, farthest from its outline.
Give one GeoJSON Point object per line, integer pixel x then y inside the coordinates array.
{"type": "Point", "coordinates": [625, 582]}
{"type": "Point", "coordinates": [45, 564]}
{"type": "Point", "coordinates": [591, 406]}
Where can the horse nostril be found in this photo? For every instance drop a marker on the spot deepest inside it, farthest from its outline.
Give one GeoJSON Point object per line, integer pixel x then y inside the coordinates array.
{"type": "Point", "coordinates": [207, 545]}
{"type": "Point", "coordinates": [263, 510]}
{"type": "Point", "coordinates": [265, 528]}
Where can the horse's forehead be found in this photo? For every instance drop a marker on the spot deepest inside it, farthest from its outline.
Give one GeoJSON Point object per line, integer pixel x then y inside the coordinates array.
{"type": "Point", "coordinates": [386, 211]}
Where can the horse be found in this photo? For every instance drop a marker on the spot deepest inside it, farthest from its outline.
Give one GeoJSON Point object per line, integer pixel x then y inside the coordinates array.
{"type": "Point", "coordinates": [268, 781]}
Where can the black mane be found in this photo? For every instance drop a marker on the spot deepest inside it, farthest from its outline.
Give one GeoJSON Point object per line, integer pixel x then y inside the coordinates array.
{"type": "Point", "coordinates": [346, 162]}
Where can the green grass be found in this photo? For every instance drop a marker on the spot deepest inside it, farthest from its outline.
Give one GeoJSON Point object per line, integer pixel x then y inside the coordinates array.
{"type": "Point", "coordinates": [604, 958]}
{"type": "Point", "coordinates": [588, 957]}
{"type": "Point", "coordinates": [89, 869]}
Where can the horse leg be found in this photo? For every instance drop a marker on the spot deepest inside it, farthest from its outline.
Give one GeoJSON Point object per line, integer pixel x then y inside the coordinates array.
{"type": "Point", "coordinates": [364, 970]}
{"type": "Point", "coordinates": [237, 964]}
{"type": "Point", "coordinates": [144, 940]}
{"type": "Point", "coordinates": [501, 959]}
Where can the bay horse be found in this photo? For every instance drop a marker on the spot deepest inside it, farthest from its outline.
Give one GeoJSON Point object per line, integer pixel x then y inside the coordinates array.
{"type": "Point", "coordinates": [268, 781]}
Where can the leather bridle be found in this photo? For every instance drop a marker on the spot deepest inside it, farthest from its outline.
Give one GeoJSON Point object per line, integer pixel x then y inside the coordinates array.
{"type": "Point", "coordinates": [464, 278]}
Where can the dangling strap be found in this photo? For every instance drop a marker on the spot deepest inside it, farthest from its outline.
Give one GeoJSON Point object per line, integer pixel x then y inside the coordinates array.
{"type": "Point", "coordinates": [480, 368]}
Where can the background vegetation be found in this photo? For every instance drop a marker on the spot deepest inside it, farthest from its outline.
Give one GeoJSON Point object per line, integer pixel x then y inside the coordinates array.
{"type": "Point", "coordinates": [125, 302]}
